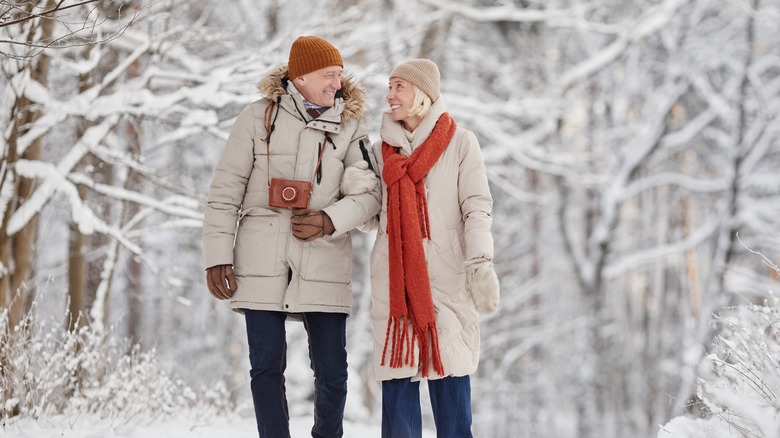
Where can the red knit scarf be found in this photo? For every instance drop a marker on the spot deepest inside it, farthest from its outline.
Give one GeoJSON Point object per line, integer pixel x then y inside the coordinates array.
{"type": "Point", "coordinates": [407, 225]}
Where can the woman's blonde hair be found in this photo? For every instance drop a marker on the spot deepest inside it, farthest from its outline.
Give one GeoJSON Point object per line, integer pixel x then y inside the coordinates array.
{"type": "Point", "coordinates": [421, 105]}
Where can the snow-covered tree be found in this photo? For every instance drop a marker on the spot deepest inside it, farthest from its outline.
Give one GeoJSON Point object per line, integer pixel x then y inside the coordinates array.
{"type": "Point", "coordinates": [626, 143]}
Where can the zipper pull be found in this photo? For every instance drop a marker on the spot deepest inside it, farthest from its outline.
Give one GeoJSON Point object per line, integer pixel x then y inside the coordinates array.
{"type": "Point", "coordinates": [318, 172]}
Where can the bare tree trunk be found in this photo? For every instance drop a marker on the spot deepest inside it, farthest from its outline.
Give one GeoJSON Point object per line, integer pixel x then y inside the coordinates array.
{"type": "Point", "coordinates": [134, 269]}
{"type": "Point", "coordinates": [18, 251]}
{"type": "Point", "coordinates": [134, 292]}
{"type": "Point", "coordinates": [134, 300]}
{"type": "Point", "coordinates": [77, 262]}
{"type": "Point", "coordinates": [5, 241]}
{"type": "Point", "coordinates": [23, 244]}
{"type": "Point", "coordinates": [77, 269]}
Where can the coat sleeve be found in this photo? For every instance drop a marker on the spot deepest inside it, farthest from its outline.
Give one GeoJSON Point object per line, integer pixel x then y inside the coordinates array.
{"type": "Point", "coordinates": [226, 192]}
{"type": "Point", "coordinates": [476, 203]}
{"type": "Point", "coordinates": [353, 211]}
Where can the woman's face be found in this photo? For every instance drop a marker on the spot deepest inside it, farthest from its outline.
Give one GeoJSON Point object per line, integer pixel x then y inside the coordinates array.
{"type": "Point", "coordinates": [400, 97]}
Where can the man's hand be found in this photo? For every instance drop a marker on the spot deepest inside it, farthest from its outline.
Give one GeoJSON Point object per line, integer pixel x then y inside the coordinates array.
{"type": "Point", "coordinates": [221, 281]}
{"type": "Point", "coordinates": [308, 225]}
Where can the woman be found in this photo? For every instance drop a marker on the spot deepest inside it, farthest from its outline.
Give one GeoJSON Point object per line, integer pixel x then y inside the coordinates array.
{"type": "Point", "coordinates": [431, 265]}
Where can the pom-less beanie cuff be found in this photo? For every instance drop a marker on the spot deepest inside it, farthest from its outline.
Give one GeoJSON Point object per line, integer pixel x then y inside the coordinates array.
{"type": "Point", "coordinates": [311, 53]}
{"type": "Point", "coordinates": [422, 73]}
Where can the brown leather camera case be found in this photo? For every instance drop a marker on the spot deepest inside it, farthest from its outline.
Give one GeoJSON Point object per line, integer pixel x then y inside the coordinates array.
{"type": "Point", "coordinates": [288, 193]}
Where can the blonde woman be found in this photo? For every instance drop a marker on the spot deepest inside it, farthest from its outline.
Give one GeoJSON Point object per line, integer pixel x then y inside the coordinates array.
{"type": "Point", "coordinates": [431, 265]}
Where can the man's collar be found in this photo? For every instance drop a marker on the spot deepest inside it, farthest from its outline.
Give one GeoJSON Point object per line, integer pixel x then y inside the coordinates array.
{"type": "Point", "coordinates": [306, 104]}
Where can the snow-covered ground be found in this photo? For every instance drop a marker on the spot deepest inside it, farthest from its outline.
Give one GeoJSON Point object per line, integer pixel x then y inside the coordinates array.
{"type": "Point", "coordinates": [182, 425]}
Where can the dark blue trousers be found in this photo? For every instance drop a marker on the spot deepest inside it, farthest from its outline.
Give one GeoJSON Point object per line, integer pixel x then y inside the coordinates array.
{"type": "Point", "coordinates": [268, 359]}
{"type": "Point", "coordinates": [450, 402]}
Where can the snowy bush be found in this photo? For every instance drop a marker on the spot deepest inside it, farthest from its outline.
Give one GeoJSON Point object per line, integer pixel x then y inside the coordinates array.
{"type": "Point", "coordinates": [739, 383]}
{"type": "Point", "coordinates": [46, 370]}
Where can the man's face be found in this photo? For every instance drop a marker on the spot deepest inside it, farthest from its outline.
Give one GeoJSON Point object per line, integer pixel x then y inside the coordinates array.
{"type": "Point", "coordinates": [320, 87]}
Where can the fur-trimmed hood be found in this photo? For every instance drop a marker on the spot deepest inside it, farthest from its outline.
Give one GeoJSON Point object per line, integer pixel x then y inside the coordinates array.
{"type": "Point", "coordinates": [271, 86]}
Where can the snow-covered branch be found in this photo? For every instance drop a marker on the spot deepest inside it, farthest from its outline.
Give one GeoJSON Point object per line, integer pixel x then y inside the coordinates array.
{"type": "Point", "coordinates": [644, 257]}
{"type": "Point", "coordinates": [53, 182]}
{"type": "Point", "coordinates": [54, 179]}
{"type": "Point", "coordinates": [636, 153]}
{"type": "Point", "coordinates": [651, 21]}
{"type": "Point", "coordinates": [169, 206]}
{"type": "Point", "coordinates": [552, 18]}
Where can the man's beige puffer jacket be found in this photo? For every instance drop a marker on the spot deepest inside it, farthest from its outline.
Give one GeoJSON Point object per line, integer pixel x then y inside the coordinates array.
{"type": "Point", "coordinates": [274, 270]}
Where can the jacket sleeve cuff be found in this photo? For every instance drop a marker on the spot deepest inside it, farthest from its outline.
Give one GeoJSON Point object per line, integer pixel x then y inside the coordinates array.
{"type": "Point", "coordinates": [216, 252]}
{"type": "Point", "coordinates": [352, 212]}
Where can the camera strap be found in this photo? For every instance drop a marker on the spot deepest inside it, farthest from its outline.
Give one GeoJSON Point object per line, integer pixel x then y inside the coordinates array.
{"type": "Point", "coordinates": [269, 128]}
{"type": "Point", "coordinates": [270, 124]}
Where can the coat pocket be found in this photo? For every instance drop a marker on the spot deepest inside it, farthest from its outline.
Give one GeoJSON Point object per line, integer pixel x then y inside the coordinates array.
{"type": "Point", "coordinates": [328, 259]}
{"type": "Point", "coordinates": [256, 246]}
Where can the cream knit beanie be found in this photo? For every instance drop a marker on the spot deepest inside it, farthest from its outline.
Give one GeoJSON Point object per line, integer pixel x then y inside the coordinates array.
{"type": "Point", "coordinates": [421, 73]}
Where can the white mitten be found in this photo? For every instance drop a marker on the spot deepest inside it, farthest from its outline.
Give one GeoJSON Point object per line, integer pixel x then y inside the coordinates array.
{"type": "Point", "coordinates": [358, 179]}
{"type": "Point", "coordinates": [482, 284]}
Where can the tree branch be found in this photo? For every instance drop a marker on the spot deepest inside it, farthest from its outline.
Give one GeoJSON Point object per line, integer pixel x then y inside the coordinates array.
{"type": "Point", "coordinates": [59, 7]}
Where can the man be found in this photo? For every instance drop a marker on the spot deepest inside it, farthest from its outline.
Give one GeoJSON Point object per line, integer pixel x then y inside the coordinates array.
{"type": "Point", "coordinates": [276, 228]}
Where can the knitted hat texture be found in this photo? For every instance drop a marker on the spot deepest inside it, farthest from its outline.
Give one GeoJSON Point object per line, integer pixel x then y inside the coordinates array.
{"type": "Point", "coordinates": [422, 73]}
{"type": "Point", "coordinates": [311, 53]}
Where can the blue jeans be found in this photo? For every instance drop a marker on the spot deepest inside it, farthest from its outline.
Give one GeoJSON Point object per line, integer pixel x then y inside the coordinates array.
{"type": "Point", "coordinates": [268, 359]}
{"type": "Point", "coordinates": [450, 401]}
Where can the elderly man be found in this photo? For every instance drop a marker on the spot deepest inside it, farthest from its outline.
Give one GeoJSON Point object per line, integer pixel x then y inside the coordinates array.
{"type": "Point", "coordinates": [276, 237]}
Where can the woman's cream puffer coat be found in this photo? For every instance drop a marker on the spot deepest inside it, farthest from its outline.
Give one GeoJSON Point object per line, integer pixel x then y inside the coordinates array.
{"type": "Point", "coordinates": [459, 210]}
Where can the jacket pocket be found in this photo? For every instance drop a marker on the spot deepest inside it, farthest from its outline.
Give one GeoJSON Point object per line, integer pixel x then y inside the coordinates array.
{"type": "Point", "coordinates": [328, 259]}
{"type": "Point", "coordinates": [256, 244]}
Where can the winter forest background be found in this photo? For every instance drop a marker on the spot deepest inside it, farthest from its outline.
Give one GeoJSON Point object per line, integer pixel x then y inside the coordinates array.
{"type": "Point", "coordinates": [632, 149]}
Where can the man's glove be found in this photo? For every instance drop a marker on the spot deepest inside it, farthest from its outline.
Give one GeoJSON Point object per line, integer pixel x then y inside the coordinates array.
{"type": "Point", "coordinates": [358, 179]}
{"type": "Point", "coordinates": [221, 281]}
{"type": "Point", "coordinates": [482, 284]}
{"type": "Point", "coordinates": [308, 225]}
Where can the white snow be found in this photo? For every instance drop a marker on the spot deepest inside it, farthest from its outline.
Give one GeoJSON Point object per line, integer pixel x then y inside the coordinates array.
{"type": "Point", "coordinates": [180, 425]}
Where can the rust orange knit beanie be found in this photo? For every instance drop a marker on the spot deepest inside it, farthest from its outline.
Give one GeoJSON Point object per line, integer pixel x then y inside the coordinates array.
{"type": "Point", "coordinates": [311, 53]}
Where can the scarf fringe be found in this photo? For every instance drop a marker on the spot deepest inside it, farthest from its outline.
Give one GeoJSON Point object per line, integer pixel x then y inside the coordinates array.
{"type": "Point", "coordinates": [429, 349]}
{"type": "Point", "coordinates": [402, 342]}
